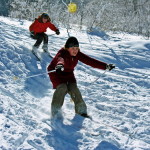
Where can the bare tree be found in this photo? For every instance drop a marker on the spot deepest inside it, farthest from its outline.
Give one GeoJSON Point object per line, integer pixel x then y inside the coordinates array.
{"type": "Point", "coordinates": [131, 16]}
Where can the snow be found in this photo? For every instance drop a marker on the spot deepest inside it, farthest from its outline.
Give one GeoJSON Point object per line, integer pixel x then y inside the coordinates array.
{"type": "Point", "coordinates": [118, 100]}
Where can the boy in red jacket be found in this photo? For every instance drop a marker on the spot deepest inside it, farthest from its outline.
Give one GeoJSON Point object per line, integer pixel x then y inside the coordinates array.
{"type": "Point", "coordinates": [37, 29]}
{"type": "Point", "coordinates": [63, 79]}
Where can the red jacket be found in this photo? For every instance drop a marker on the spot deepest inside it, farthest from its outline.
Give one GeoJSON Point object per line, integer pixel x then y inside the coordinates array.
{"type": "Point", "coordinates": [39, 27]}
{"type": "Point", "coordinates": [63, 57]}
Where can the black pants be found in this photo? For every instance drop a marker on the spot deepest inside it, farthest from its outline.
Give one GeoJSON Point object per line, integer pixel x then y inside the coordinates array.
{"type": "Point", "coordinates": [40, 37]}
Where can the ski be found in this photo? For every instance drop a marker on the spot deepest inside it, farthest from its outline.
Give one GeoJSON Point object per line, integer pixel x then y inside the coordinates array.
{"type": "Point", "coordinates": [38, 59]}
{"type": "Point", "coordinates": [48, 54]}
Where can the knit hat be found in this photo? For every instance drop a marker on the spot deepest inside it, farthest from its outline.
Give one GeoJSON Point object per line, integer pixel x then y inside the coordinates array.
{"type": "Point", "coordinates": [45, 15]}
{"type": "Point", "coordinates": [72, 42]}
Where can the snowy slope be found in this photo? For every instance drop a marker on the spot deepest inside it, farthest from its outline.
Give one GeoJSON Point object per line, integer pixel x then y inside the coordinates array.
{"type": "Point", "coordinates": [118, 100]}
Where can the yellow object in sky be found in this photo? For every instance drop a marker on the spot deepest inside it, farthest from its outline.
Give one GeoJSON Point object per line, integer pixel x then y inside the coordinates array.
{"type": "Point", "coordinates": [72, 7]}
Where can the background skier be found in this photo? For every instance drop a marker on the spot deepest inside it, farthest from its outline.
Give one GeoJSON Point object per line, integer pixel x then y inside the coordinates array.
{"type": "Point", "coordinates": [63, 79]}
{"type": "Point", "coordinates": [37, 29]}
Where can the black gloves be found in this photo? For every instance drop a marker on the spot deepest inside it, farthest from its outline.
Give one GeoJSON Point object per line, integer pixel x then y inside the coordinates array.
{"type": "Point", "coordinates": [59, 68]}
{"type": "Point", "coordinates": [110, 66]}
{"type": "Point", "coordinates": [57, 32]}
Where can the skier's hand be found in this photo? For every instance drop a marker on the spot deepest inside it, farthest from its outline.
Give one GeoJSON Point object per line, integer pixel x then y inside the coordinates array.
{"type": "Point", "coordinates": [110, 66]}
{"type": "Point", "coordinates": [59, 68]}
{"type": "Point", "coordinates": [57, 32]}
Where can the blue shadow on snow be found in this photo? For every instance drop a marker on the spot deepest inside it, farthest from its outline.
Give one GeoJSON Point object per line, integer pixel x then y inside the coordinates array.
{"type": "Point", "coordinates": [99, 33]}
{"type": "Point", "coordinates": [38, 85]}
{"type": "Point", "coordinates": [65, 137]}
{"type": "Point", "coordinates": [104, 145]}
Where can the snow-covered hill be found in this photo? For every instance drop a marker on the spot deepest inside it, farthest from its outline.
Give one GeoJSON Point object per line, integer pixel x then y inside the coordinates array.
{"type": "Point", "coordinates": [118, 100]}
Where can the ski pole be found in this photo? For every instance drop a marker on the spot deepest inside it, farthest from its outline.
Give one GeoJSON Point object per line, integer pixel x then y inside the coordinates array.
{"type": "Point", "coordinates": [98, 77]}
{"type": "Point", "coordinates": [32, 76]}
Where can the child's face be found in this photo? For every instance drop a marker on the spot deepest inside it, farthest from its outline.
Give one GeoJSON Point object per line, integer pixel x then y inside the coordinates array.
{"type": "Point", "coordinates": [73, 51]}
{"type": "Point", "coordinates": [44, 20]}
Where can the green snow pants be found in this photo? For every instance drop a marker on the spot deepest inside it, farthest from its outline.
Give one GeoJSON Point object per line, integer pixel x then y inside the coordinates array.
{"type": "Point", "coordinates": [73, 91]}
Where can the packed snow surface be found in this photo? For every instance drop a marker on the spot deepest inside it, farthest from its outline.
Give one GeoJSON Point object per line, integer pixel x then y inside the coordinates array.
{"type": "Point", "coordinates": [118, 101]}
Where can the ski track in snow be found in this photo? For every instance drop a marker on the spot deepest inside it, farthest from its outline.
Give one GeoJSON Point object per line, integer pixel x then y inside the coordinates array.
{"type": "Point", "coordinates": [118, 101]}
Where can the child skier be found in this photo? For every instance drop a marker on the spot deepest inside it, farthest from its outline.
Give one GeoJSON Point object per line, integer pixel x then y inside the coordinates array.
{"type": "Point", "coordinates": [37, 29]}
{"type": "Point", "coordinates": [63, 79]}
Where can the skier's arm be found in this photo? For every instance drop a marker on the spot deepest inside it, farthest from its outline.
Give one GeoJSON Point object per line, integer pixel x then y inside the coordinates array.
{"type": "Point", "coordinates": [31, 28]}
{"type": "Point", "coordinates": [52, 27]}
{"type": "Point", "coordinates": [59, 63]}
{"type": "Point", "coordinates": [57, 60]}
{"type": "Point", "coordinates": [91, 61]}
{"type": "Point", "coordinates": [60, 60]}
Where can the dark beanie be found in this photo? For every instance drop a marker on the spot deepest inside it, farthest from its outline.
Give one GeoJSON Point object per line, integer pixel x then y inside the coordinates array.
{"type": "Point", "coordinates": [45, 15]}
{"type": "Point", "coordinates": [72, 42]}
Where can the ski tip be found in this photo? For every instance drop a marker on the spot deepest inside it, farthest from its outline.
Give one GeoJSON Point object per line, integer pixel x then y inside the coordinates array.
{"type": "Point", "coordinates": [36, 56]}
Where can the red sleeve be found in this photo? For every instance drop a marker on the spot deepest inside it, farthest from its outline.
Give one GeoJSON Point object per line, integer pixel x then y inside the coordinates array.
{"type": "Point", "coordinates": [31, 28]}
{"type": "Point", "coordinates": [52, 26]}
{"type": "Point", "coordinates": [58, 59]}
{"type": "Point", "coordinates": [91, 61]}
